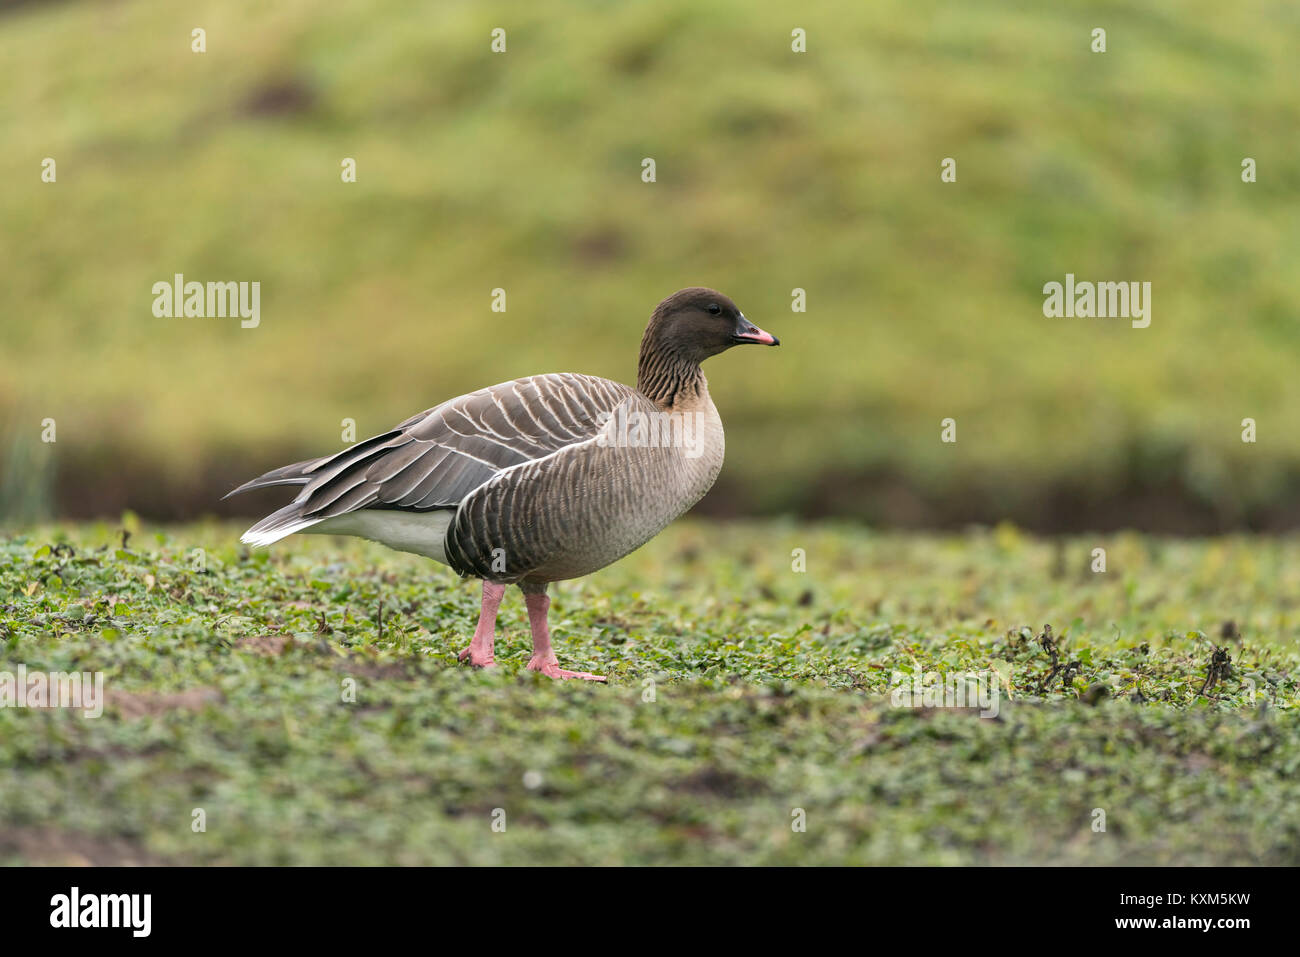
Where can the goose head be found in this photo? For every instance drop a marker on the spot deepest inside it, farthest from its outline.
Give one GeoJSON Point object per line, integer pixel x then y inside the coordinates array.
{"type": "Point", "coordinates": [694, 324]}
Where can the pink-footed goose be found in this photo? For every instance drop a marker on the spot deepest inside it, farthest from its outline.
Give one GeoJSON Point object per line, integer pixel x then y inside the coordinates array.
{"type": "Point", "coordinates": [536, 480]}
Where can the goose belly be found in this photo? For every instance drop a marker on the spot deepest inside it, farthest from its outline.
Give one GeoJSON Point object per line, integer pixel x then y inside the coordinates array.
{"type": "Point", "coordinates": [421, 533]}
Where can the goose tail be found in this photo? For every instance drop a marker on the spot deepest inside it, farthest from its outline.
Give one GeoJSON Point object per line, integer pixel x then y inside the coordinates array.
{"type": "Point", "coordinates": [279, 524]}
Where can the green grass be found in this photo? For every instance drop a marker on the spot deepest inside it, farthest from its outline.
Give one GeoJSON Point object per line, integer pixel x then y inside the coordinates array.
{"type": "Point", "coordinates": [775, 170]}
{"type": "Point", "coordinates": [225, 672]}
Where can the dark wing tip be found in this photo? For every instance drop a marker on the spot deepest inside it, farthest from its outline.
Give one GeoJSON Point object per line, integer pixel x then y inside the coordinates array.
{"type": "Point", "coordinates": [235, 491]}
{"type": "Point", "coordinates": [299, 473]}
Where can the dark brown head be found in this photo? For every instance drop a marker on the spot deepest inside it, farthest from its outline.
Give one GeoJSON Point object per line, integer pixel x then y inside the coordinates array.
{"type": "Point", "coordinates": [696, 323]}
{"type": "Point", "coordinates": [684, 330]}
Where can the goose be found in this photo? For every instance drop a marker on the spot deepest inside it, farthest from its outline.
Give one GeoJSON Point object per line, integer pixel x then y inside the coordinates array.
{"type": "Point", "coordinates": [540, 479]}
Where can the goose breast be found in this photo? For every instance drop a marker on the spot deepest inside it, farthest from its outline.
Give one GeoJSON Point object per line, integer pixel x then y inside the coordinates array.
{"type": "Point", "coordinates": [589, 504]}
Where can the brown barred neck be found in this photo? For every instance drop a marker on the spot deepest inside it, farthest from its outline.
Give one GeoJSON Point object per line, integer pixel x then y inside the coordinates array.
{"type": "Point", "coordinates": [668, 379]}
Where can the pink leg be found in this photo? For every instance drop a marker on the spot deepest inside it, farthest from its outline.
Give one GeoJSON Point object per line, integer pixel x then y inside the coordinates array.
{"type": "Point", "coordinates": [479, 651]}
{"type": "Point", "coordinates": [543, 658]}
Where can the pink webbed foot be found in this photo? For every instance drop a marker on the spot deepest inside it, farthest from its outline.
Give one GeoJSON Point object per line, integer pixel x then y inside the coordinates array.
{"type": "Point", "coordinates": [478, 660]}
{"type": "Point", "coordinates": [543, 660]}
{"type": "Point", "coordinates": [551, 668]}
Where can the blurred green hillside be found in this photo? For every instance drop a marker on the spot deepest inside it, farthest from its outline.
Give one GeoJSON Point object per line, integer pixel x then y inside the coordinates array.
{"type": "Point", "coordinates": [775, 170]}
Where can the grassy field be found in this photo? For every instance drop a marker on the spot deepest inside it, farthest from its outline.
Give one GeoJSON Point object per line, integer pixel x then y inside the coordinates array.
{"type": "Point", "coordinates": [740, 691]}
{"type": "Point", "coordinates": [775, 170]}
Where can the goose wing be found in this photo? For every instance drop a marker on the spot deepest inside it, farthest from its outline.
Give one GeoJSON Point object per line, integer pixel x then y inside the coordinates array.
{"type": "Point", "coordinates": [437, 458]}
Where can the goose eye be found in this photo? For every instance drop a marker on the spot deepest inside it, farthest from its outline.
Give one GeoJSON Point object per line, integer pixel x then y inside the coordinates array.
{"type": "Point", "coordinates": [715, 309]}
